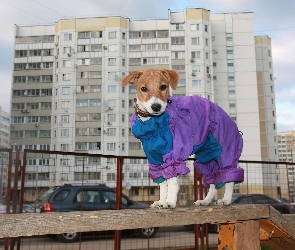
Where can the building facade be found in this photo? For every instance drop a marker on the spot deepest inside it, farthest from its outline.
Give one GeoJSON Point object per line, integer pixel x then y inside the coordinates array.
{"type": "Point", "coordinates": [66, 92]}
{"type": "Point", "coordinates": [4, 143]}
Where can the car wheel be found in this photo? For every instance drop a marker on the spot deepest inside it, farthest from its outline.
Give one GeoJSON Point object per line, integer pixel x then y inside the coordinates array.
{"type": "Point", "coordinates": [68, 237]}
{"type": "Point", "coordinates": [147, 232]}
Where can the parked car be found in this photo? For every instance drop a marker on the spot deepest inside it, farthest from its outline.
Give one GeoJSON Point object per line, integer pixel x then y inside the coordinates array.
{"type": "Point", "coordinates": [263, 199]}
{"type": "Point", "coordinates": [68, 198]}
{"type": "Point", "coordinates": [2, 209]}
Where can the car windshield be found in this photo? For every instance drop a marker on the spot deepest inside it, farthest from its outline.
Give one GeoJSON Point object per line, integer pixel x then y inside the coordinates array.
{"type": "Point", "coordinates": [45, 194]}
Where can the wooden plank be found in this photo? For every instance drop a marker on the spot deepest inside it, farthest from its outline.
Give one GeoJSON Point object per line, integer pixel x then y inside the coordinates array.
{"type": "Point", "coordinates": [243, 235]}
{"type": "Point", "coordinates": [14, 225]}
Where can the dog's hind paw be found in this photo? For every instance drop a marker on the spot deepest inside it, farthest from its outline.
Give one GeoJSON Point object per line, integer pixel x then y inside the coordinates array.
{"type": "Point", "coordinates": [169, 204]}
{"type": "Point", "coordinates": [157, 204]}
{"type": "Point", "coordinates": [223, 202]}
{"type": "Point", "coordinates": [201, 203]}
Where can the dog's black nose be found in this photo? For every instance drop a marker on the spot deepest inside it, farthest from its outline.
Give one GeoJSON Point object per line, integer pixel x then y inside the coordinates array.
{"type": "Point", "coordinates": [156, 107]}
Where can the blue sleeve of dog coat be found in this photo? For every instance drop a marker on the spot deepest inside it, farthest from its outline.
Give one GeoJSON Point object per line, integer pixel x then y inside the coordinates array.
{"type": "Point", "coordinates": [155, 136]}
{"type": "Point", "coordinates": [208, 150]}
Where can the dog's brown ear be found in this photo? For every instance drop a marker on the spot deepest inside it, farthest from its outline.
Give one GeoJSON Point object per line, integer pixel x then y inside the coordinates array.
{"type": "Point", "coordinates": [131, 78]}
{"type": "Point", "coordinates": [172, 76]}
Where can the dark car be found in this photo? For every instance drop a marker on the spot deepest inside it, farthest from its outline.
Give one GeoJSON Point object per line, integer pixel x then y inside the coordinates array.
{"type": "Point", "coordinates": [69, 198]}
{"type": "Point", "coordinates": [263, 199]}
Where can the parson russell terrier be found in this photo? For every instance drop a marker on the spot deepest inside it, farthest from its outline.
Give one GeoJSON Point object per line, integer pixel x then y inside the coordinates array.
{"type": "Point", "coordinates": [172, 129]}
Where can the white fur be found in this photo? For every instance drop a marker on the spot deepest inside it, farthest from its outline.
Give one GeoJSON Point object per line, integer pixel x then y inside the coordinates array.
{"type": "Point", "coordinates": [168, 194]}
{"type": "Point", "coordinates": [147, 106]}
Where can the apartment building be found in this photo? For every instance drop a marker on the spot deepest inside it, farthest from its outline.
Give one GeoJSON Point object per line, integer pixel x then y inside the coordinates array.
{"type": "Point", "coordinates": [286, 151]}
{"type": "Point", "coordinates": [4, 143]}
{"type": "Point", "coordinates": [66, 94]}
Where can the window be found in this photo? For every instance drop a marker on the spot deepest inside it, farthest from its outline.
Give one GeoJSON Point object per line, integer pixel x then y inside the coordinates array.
{"type": "Point", "coordinates": [149, 34]}
{"type": "Point", "coordinates": [112, 88]}
{"type": "Point", "coordinates": [66, 77]}
{"type": "Point", "coordinates": [181, 83]}
{"type": "Point", "coordinates": [84, 61]}
{"type": "Point", "coordinates": [112, 61]}
{"type": "Point", "coordinates": [64, 133]}
{"type": "Point", "coordinates": [178, 55]}
{"type": "Point", "coordinates": [65, 118]}
{"type": "Point", "coordinates": [135, 61]}
{"type": "Point", "coordinates": [196, 69]}
{"type": "Point", "coordinates": [178, 68]}
{"type": "Point", "coordinates": [194, 27]}
{"type": "Point", "coordinates": [112, 34]}
{"type": "Point", "coordinates": [81, 103]}
{"type": "Point", "coordinates": [162, 33]}
{"type": "Point", "coordinates": [195, 40]}
{"type": "Point", "coordinates": [95, 88]}
{"type": "Point", "coordinates": [44, 105]}
{"type": "Point", "coordinates": [123, 35]}
{"type": "Point", "coordinates": [135, 191]}
{"type": "Point", "coordinates": [81, 146]}
{"type": "Point", "coordinates": [94, 131]}
{"type": "Point", "coordinates": [163, 46]}
{"type": "Point", "coordinates": [64, 147]}
{"type": "Point", "coordinates": [95, 74]}
{"type": "Point", "coordinates": [123, 62]}
{"type": "Point", "coordinates": [32, 119]}
{"type": "Point", "coordinates": [196, 83]}
{"type": "Point", "coordinates": [65, 90]}
{"type": "Point", "coordinates": [94, 117]}
{"type": "Point", "coordinates": [135, 47]}
{"type": "Point", "coordinates": [111, 146]}
{"type": "Point", "coordinates": [232, 106]}
{"type": "Point", "coordinates": [177, 40]}
{"type": "Point", "coordinates": [135, 145]}
{"type": "Point", "coordinates": [206, 28]}
{"type": "Point", "coordinates": [84, 35]}
{"type": "Point", "coordinates": [95, 102]}
{"type": "Point", "coordinates": [111, 131]}
{"type": "Point", "coordinates": [196, 54]}
{"type": "Point", "coordinates": [95, 47]}
{"type": "Point", "coordinates": [111, 177]}
{"type": "Point", "coordinates": [112, 48]}
{"type": "Point", "coordinates": [177, 26]}
{"type": "Point", "coordinates": [112, 103]}
{"type": "Point", "coordinates": [67, 37]}
{"type": "Point", "coordinates": [45, 133]}
{"type": "Point", "coordinates": [65, 104]}
{"type": "Point", "coordinates": [134, 34]}
{"type": "Point", "coordinates": [149, 61]}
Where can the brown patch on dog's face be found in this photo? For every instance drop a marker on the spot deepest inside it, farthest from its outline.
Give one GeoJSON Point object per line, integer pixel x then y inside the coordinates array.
{"type": "Point", "coordinates": [151, 83]}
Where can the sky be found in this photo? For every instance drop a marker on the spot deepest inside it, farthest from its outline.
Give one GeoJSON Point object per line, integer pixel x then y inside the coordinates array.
{"type": "Point", "coordinates": [274, 18]}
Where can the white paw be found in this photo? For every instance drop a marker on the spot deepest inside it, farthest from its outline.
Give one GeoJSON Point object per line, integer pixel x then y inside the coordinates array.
{"type": "Point", "coordinates": [202, 203]}
{"type": "Point", "coordinates": [157, 204]}
{"type": "Point", "coordinates": [223, 202]}
{"type": "Point", "coordinates": [168, 204]}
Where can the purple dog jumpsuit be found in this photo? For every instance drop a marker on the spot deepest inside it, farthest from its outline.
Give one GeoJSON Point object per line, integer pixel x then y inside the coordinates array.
{"type": "Point", "coordinates": [191, 125]}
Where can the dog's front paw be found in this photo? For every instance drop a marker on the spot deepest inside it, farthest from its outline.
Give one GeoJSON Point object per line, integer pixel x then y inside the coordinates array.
{"type": "Point", "coordinates": [168, 204]}
{"type": "Point", "coordinates": [157, 204]}
{"type": "Point", "coordinates": [202, 203]}
{"type": "Point", "coordinates": [223, 202]}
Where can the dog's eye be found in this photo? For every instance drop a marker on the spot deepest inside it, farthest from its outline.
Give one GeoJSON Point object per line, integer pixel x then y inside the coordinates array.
{"type": "Point", "coordinates": [163, 87]}
{"type": "Point", "coordinates": [144, 89]}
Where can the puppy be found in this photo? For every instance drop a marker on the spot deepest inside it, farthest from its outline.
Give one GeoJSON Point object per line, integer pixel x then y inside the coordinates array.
{"type": "Point", "coordinates": [172, 129]}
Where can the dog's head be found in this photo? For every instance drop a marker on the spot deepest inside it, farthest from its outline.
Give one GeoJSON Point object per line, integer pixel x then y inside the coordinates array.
{"type": "Point", "coordinates": [152, 87]}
